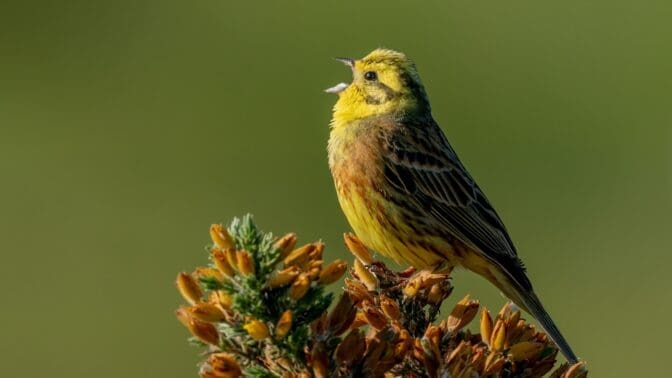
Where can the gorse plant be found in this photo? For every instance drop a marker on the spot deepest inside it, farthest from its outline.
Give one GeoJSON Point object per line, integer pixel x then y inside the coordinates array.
{"type": "Point", "coordinates": [241, 300]}
{"type": "Point", "coordinates": [261, 310]}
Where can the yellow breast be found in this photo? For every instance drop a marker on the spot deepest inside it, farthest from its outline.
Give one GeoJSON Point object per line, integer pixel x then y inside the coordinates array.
{"type": "Point", "coordinates": [358, 175]}
{"type": "Point", "coordinates": [377, 224]}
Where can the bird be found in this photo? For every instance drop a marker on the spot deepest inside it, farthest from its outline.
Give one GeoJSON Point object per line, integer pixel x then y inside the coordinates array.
{"type": "Point", "coordinates": [405, 192]}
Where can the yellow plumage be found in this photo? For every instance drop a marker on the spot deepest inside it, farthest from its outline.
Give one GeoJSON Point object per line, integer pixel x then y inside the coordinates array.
{"type": "Point", "coordinates": [403, 189]}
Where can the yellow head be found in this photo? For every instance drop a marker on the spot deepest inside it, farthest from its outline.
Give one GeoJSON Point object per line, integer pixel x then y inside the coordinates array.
{"type": "Point", "coordinates": [383, 82]}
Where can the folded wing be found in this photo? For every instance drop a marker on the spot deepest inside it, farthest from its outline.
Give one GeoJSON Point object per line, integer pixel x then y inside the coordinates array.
{"type": "Point", "coordinates": [422, 166]}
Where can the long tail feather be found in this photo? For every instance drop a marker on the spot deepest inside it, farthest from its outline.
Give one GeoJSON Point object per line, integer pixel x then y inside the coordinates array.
{"type": "Point", "coordinates": [529, 302]}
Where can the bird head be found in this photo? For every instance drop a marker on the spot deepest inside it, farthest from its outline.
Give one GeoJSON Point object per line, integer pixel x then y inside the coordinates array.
{"type": "Point", "coordinates": [383, 82]}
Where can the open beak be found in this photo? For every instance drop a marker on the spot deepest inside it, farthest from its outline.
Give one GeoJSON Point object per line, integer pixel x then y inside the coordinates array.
{"type": "Point", "coordinates": [347, 61]}
{"type": "Point", "coordinates": [340, 87]}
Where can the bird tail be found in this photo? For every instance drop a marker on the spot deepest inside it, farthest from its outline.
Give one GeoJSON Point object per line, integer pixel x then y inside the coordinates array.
{"type": "Point", "coordinates": [528, 301]}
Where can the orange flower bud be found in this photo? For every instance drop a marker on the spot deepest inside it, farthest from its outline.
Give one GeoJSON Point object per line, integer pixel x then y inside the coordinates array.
{"type": "Point", "coordinates": [299, 287]}
{"type": "Point", "coordinates": [245, 263]}
{"type": "Point", "coordinates": [299, 255]}
{"type": "Point", "coordinates": [332, 272]}
{"type": "Point", "coordinates": [315, 264]}
{"type": "Point", "coordinates": [221, 298]}
{"type": "Point", "coordinates": [232, 259]}
{"type": "Point", "coordinates": [430, 344]}
{"type": "Point", "coordinates": [283, 277]}
{"type": "Point", "coordinates": [506, 310]}
{"type": "Point", "coordinates": [425, 280]}
{"type": "Point", "coordinates": [285, 244]}
{"type": "Point", "coordinates": [203, 331]}
{"type": "Point", "coordinates": [221, 262]}
{"type": "Point", "coordinates": [428, 279]}
{"type": "Point", "coordinates": [525, 350]}
{"type": "Point", "coordinates": [493, 364]}
{"type": "Point", "coordinates": [463, 313]}
{"type": "Point", "coordinates": [478, 360]}
{"type": "Point", "coordinates": [207, 312]}
{"type": "Point", "coordinates": [358, 248]}
{"type": "Point", "coordinates": [316, 253]}
{"type": "Point", "coordinates": [204, 272]}
{"type": "Point", "coordinates": [284, 325]}
{"type": "Point", "coordinates": [256, 329]}
{"type": "Point", "coordinates": [183, 316]}
{"type": "Point", "coordinates": [365, 276]}
{"type": "Point", "coordinates": [314, 268]}
{"type": "Point", "coordinates": [221, 237]}
{"type": "Point", "coordinates": [512, 319]}
{"type": "Point", "coordinates": [486, 326]}
{"type": "Point", "coordinates": [461, 350]}
{"type": "Point", "coordinates": [189, 288]}
{"type": "Point", "coordinates": [498, 338]}
{"type": "Point", "coordinates": [357, 289]}
{"type": "Point", "coordinates": [516, 330]}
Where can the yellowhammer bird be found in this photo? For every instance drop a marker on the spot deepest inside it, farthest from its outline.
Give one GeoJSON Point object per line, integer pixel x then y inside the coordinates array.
{"type": "Point", "coordinates": [404, 190]}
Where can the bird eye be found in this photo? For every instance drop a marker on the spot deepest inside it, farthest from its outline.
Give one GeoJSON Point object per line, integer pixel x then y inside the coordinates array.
{"type": "Point", "coordinates": [370, 76]}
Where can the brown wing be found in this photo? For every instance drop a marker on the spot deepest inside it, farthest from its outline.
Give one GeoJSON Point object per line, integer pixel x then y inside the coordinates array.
{"type": "Point", "coordinates": [422, 166]}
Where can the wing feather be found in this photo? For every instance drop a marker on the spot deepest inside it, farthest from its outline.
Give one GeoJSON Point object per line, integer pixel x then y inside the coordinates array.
{"type": "Point", "coordinates": [422, 166]}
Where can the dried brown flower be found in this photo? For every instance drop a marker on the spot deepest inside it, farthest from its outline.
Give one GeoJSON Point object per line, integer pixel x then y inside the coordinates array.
{"type": "Point", "coordinates": [463, 313]}
{"type": "Point", "coordinates": [221, 365]}
{"type": "Point", "coordinates": [385, 324]}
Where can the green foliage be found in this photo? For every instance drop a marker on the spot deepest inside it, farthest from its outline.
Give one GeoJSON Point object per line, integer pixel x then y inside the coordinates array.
{"type": "Point", "coordinates": [253, 299]}
{"type": "Point", "coordinates": [260, 245]}
{"type": "Point", "coordinates": [312, 305]}
{"type": "Point", "coordinates": [259, 372]}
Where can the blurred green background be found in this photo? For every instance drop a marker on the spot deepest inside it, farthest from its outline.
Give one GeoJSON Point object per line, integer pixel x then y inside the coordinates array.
{"type": "Point", "coordinates": [127, 127]}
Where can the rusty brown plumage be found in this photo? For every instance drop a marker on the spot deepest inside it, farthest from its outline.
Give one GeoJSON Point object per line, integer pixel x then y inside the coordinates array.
{"type": "Point", "coordinates": [405, 192]}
